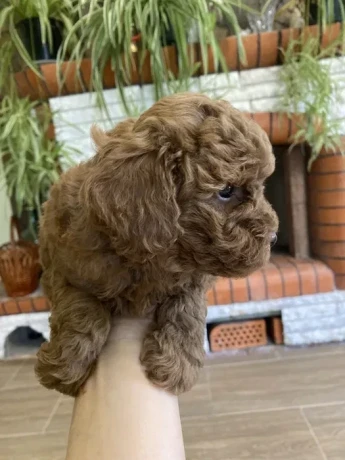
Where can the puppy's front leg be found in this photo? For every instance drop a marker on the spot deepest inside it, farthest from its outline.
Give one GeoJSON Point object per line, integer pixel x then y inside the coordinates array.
{"type": "Point", "coordinates": [173, 351]}
{"type": "Point", "coordinates": [80, 326]}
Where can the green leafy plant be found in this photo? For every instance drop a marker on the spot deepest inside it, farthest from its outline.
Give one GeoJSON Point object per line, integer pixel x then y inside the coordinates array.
{"type": "Point", "coordinates": [12, 12]}
{"type": "Point", "coordinates": [30, 162]}
{"type": "Point", "coordinates": [321, 12]}
{"type": "Point", "coordinates": [324, 9]}
{"type": "Point", "coordinates": [310, 91]}
{"type": "Point", "coordinates": [106, 31]}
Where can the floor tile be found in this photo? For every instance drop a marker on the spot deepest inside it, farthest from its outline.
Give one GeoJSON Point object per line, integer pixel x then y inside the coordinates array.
{"type": "Point", "coordinates": [8, 369]}
{"type": "Point", "coordinates": [328, 424]}
{"type": "Point", "coordinates": [195, 401]}
{"type": "Point", "coordinates": [25, 410]}
{"type": "Point", "coordinates": [61, 420]}
{"type": "Point", "coordinates": [241, 356]}
{"type": "Point", "coordinates": [265, 436]}
{"type": "Point", "coordinates": [25, 377]}
{"type": "Point", "coordinates": [244, 406]}
{"type": "Point", "coordinates": [299, 352]}
{"type": "Point", "coordinates": [275, 384]}
{"type": "Point", "coordinates": [36, 447]}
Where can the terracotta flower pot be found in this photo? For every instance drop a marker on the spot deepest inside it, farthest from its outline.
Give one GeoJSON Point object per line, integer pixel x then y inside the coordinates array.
{"type": "Point", "coordinates": [108, 76]}
{"type": "Point", "coordinates": [261, 50]}
{"type": "Point", "coordinates": [331, 33]}
{"type": "Point", "coordinates": [228, 47]}
{"type": "Point", "coordinates": [31, 85]}
{"type": "Point", "coordinates": [50, 76]}
{"type": "Point", "coordinates": [278, 126]}
{"type": "Point", "coordinates": [285, 37]}
{"type": "Point", "coordinates": [23, 86]}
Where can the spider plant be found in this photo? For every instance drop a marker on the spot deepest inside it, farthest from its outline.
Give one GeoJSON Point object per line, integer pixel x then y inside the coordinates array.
{"type": "Point", "coordinates": [323, 12]}
{"type": "Point", "coordinates": [12, 12]}
{"type": "Point", "coordinates": [310, 89]}
{"type": "Point", "coordinates": [30, 162]}
{"type": "Point", "coordinates": [105, 34]}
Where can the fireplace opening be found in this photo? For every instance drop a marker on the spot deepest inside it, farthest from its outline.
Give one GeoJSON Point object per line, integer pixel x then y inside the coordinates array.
{"type": "Point", "coordinates": [275, 192]}
{"type": "Point", "coordinates": [286, 190]}
{"type": "Point", "coordinates": [23, 341]}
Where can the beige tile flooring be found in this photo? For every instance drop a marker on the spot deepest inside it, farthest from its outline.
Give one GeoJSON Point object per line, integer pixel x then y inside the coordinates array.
{"type": "Point", "coordinates": [268, 404]}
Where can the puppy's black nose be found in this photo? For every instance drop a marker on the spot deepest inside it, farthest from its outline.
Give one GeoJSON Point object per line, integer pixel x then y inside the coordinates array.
{"type": "Point", "coordinates": [273, 238]}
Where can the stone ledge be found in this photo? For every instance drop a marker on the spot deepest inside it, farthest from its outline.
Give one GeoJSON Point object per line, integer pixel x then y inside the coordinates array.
{"type": "Point", "coordinates": [273, 307]}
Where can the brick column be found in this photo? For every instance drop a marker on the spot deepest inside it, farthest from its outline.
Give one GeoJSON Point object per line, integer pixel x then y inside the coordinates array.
{"type": "Point", "coordinates": [326, 186]}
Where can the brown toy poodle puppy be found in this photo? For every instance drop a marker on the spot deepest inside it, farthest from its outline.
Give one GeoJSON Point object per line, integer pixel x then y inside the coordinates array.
{"type": "Point", "coordinates": [169, 201]}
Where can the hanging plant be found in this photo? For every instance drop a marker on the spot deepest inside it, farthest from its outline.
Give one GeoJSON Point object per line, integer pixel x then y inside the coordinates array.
{"type": "Point", "coordinates": [106, 35]}
{"type": "Point", "coordinates": [310, 89]}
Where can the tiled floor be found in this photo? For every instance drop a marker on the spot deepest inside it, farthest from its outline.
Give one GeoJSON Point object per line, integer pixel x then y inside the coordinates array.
{"type": "Point", "coordinates": [270, 404]}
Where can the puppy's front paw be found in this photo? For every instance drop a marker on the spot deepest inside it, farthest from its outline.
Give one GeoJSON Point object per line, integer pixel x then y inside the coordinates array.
{"type": "Point", "coordinates": [168, 367]}
{"type": "Point", "coordinates": [61, 375]}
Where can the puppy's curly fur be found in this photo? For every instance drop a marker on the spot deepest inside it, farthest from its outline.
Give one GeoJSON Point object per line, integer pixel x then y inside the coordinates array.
{"type": "Point", "coordinates": [170, 200]}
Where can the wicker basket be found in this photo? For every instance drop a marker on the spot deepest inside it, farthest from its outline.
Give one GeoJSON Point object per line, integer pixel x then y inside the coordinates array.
{"type": "Point", "coordinates": [19, 265]}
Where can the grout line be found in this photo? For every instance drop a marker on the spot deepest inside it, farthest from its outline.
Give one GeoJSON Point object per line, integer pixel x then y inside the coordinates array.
{"type": "Point", "coordinates": [25, 435]}
{"type": "Point", "coordinates": [20, 387]}
{"type": "Point", "coordinates": [19, 435]}
{"type": "Point", "coordinates": [277, 357]}
{"type": "Point", "coordinates": [310, 355]}
{"type": "Point", "coordinates": [270, 409]}
{"type": "Point", "coordinates": [53, 412]}
{"type": "Point", "coordinates": [312, 432]}
{"type": "Point", "coordinates": [209, 391]}
{"type": "Point", "coordinates": [13, 376]}
{"type": "Point", "coordinates": [245, 362]}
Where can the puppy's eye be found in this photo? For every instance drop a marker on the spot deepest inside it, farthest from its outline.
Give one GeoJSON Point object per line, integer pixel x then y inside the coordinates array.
{"type": "Point", "coordinates": [226, 193]}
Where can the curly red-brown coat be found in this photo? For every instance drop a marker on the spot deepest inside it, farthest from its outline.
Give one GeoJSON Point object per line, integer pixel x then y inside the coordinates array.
{"type": "Point", "coordinates": [169, 201]}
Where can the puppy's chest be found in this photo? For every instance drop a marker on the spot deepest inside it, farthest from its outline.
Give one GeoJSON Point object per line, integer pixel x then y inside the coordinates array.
{"type": "Point", "coordinates": [138, 301]}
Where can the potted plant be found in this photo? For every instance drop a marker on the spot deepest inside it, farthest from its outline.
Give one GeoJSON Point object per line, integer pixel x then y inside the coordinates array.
{"type": "Point", "coordinates": [310, 89]}
{"type": "Point", "coordinates": [106, 32]}
{"type": "Point", "coordinates": [30, 161]}
{"type": "Point", "coordinates": [324, 11]}
{"type": "Point", "coordinates": [36, 26]}
{"type": "Point", "coordinates": [31, 31]}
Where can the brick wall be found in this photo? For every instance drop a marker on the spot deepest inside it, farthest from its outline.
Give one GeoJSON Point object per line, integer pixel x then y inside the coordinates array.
{"type": "Point", "coordinates": [256, 90]}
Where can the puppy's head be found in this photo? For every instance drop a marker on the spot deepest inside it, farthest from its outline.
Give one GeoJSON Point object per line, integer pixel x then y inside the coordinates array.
{"type": "Point", "coordinates": [185, 182]}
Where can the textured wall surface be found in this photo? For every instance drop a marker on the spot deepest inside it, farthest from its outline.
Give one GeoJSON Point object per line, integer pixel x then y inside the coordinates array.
{"type": "Point", "coordinates": [257, 90]}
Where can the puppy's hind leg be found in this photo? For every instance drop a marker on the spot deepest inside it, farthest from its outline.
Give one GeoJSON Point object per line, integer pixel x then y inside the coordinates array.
{"type": "Point", "coordinates": [80, 325]}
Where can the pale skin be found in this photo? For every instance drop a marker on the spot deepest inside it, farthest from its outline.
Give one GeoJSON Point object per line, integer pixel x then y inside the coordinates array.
{"type": "Point", "coordinates": [120, 414]}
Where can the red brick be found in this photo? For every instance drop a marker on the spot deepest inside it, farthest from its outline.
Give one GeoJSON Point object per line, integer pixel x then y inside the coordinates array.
{"type": "Point", "coordinates": [40, 303]}
{"type": "Point", "coordinates": [10, 307]}
{"type": "Point", "coordinates": [25, 305]}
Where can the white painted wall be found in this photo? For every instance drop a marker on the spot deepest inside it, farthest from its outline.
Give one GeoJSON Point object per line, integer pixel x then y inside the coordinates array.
{"type": "Point", "coordinates": [256, 90]}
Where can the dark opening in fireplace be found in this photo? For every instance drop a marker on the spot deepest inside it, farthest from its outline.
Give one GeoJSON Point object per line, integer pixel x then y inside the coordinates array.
{"type": "Point", "coordinates": [275, 191]}
{"type": "Point", "coordinates": [286, 191]}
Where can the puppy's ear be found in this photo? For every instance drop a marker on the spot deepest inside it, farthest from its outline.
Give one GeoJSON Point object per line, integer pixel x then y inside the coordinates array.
{"type": "Point", "coordinates": [130, 195]}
